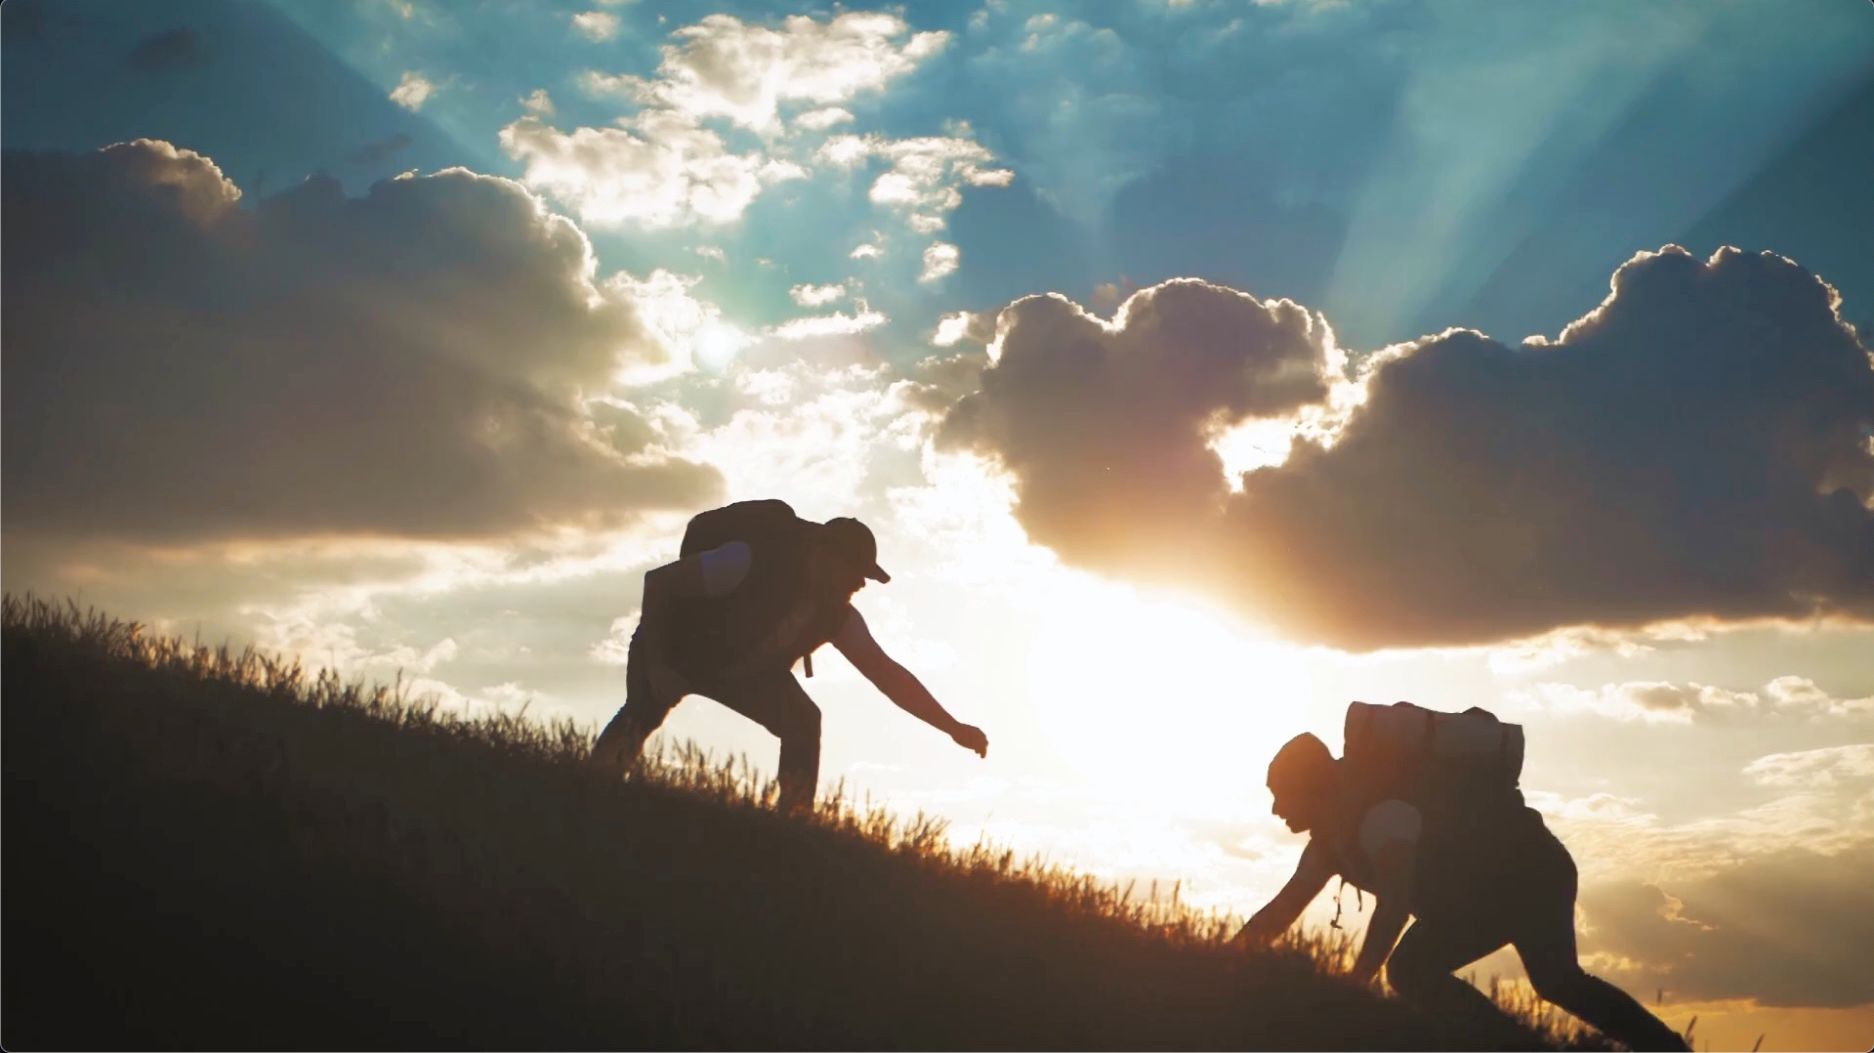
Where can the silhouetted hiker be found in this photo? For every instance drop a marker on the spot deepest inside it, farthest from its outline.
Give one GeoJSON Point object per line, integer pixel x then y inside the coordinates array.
{"type": "Point", "coordinates": [1423, 811]}
{"type": "Point", "coordinates": [757, 589]}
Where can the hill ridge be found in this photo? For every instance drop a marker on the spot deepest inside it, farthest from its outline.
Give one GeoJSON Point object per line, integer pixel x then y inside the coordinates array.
{"type": "Point", "coordinates": [211, 848]}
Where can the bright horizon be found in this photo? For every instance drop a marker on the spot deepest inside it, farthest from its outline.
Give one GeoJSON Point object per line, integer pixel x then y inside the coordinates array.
{"type": "Point", "coordinates": [404, 337]}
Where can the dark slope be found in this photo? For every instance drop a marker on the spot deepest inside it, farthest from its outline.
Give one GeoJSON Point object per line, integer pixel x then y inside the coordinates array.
{"type": "Point", "coordinates": [209, 851]}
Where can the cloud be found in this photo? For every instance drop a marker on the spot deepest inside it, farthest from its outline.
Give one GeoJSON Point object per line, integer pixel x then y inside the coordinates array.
{"type": "Point", "coordinates": [820, 433]}
{"type": "Point", "coordinates": [937, 382]}
{"type": "Point", "coordinates": [538, 103]}
{"type": "Point", "coordinates": [724, 67]}
{"type": "Point", "coordinates": [615, 648]}
{"type": "Point", "coordinates": [412, 91]}
{"type": "Point", "coordinates": [1535, 653]}
{"type": "Point", "coordinates": [667, 164]}
{"type": "Point", "coordinates": [412, 362]}
{"type": "Point", "coordinates": [1103, 425]}
{"type": "Point", "coordinates": [378, 151]}
{"type": "Point", "coordinates": [1825, 767]}
{"type": "Point", "coordinates": [978, 327]}
{"type": "Point", "coordinates": [596, 25]}
{"type": "Point", "coordinates": [689, 331]}
{"type": "Point", "coordinates": [1790, 928]}
{"type": "Point", "coordinates": [816, 295]}
{"type": "Point", "coordinates": [835, 324]}
{"type": "Point", "coordinates": [923, 175]}
{"type": "Point", "coordinates": [656, 170]}
{"type": "Point", "coordinates": [821, 119]}
{"type": "Point", "coordinates": [1695, 447]}
{"type": "Point", "coordinates": [1800, 694]}
{"type": "Point", "coordinates": [1790, 697]}
{"type": "Point", "coordinates": [171, 49]}
{"type": "Point", "coordinates": [940, 261]}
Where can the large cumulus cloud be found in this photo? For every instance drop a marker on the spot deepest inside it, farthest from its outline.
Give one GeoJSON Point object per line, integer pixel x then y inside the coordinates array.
{"type": "Point", "coordinates": [411, 362]}
{"type": "Point", "coordinates": [1697, 446]}
{"type": "Point", "coordinates": [1106, 426]}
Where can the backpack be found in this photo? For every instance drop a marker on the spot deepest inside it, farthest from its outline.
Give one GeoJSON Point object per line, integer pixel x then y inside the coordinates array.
{"type": "Point", "coordinates": [1431, 758]}
{"type": "Point", "coordinates": [1460, 770]}
{"type": "Point", "coordinates": [721, 633]}
{"type": "Point", "coordinates": [771, 521]}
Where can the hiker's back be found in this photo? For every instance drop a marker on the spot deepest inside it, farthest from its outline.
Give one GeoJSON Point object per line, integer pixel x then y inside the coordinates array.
{"type": "Point", "coordinates": [1476, 841]}
{"type": "Point", "coordinates": [765, 524]}
{"type": "Point", "coordinates": [1436, 761]}
{"type": "Point", "coordinates": [775, 599]}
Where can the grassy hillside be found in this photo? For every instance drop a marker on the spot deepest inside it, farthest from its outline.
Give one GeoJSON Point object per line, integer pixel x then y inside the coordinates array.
{"type": "Point", "coordinates": [213, 850]}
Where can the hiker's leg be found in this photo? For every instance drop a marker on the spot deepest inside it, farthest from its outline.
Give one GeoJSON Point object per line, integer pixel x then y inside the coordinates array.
{"type": "Point", "coordinates": [648, 700]}
{"type": "Point", "coordinates": [1422, 966]}
{"type": "Point", "coordinates": [777, 702]}
{"type": "Point", "coordinates": [1549, 956]}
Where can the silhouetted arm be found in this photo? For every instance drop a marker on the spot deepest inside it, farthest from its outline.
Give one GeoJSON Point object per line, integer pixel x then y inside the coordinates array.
{"type": "Point", "coordinates": [1391, 907]}
{"type": "Point", "coordinates": [1311, 874]}
{"type": "Point", "coordinates": [906, 692]}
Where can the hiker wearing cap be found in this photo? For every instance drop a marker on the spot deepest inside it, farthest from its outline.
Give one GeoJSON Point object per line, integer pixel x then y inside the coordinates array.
{"type": "Point", "coordinates": [1422, 811]}
{"type": "Point", "coordinates": [756, 590]}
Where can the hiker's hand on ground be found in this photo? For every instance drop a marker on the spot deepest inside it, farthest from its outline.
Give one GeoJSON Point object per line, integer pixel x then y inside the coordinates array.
{"type": "Point", "coordinates": [971, 738]}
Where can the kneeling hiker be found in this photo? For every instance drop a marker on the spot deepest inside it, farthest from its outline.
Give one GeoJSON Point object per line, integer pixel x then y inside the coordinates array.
{"type": "Point", "coordinates": [756, 590]}
{"type": "Point", "coordinates": [1423, 811]}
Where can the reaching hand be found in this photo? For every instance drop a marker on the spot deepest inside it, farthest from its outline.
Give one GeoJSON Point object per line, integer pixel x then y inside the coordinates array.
{"type": "Point", "coordinates": [971, 738]}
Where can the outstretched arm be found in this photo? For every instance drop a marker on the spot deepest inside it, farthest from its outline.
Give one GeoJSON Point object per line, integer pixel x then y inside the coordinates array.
{"type": "Point", "coordinates": [1310, 876]}
{"type": "Point", "coordinates": [897, 683]}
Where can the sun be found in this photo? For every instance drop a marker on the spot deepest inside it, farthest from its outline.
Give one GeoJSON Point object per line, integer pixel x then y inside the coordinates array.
{"type": "Point", "coordinates": [1162, 699]}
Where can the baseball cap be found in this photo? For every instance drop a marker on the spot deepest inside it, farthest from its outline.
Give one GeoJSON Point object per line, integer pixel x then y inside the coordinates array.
{"type": "Point", "coordinates": [855, 540]}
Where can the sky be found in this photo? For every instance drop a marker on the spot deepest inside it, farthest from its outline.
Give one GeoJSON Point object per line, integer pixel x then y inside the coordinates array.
{"type": "Point", "coordinates": [1202, 367]}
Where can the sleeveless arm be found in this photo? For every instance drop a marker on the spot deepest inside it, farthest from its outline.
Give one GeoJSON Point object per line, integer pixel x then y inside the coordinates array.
{"type": "Point", "coordinates": [907, 692]}
{"type": "Point", "coordinates": [1311, 874]}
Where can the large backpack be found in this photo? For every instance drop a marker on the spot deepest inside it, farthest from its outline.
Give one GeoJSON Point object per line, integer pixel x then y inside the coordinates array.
{"type": "Point", "coordinates": [1432, 759]}
{"type": "Point", "coordinates": [1460, 770]}
{"type": "Point", "coordinates": [764, 523]}
{"type": "Point", "coordinates": [716, 634]}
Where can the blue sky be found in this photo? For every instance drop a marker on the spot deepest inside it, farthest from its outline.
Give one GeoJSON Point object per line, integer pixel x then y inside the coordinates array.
{"type": "Point", "coordinates": [1402, 166]}
{"type": "Point", "coordinates": [412, 338]}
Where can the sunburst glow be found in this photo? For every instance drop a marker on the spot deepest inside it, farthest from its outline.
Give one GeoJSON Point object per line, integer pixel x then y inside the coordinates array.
{"type": "Point", "coordinates": [1160, 697]}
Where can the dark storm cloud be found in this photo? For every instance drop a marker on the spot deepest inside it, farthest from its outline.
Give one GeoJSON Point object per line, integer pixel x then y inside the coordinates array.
{"type": "Point", "coordinates": [379, 150]}
{"type": "Point", "coordinates": [1791, 928]}
{"type": "Point", "coordinates": [1105, 426]}
{"type": "Point", "coordinates": [1697, 445]}
{"type": "Point", "coordinates": [171, 49]}
{"type": "Point", "coordinates": [407, 362]}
